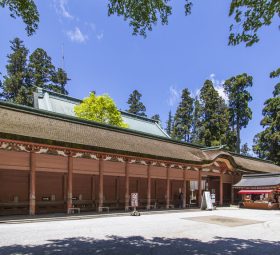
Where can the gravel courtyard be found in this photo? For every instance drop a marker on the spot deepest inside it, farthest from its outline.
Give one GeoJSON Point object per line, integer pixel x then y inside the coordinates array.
{"type": "Point", "coordinates": [187, 232]}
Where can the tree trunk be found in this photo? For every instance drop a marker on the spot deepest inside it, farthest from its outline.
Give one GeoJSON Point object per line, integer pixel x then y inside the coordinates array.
{"type": "Point", "coordinates": [237, 150]}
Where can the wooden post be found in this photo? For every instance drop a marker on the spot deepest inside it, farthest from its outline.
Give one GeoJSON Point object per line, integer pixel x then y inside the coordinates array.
{"type": "Point", "coordinates": [185, 188]}
{"type": "Point", "coordinates": [221, 190]}
{"type": "Point", "coordinates": [65, 188]}
{"type": "Point", "coordinates": [101, 182]}
{"type": "Point", "coordinates": [126, 186]}
{"type": "Point", "coordinates": [199, 188]}
{"type": "Point", "coordinates": [149, 187]}
{"type": "Point", "coordinates": [70, 183]}
{"type": "Point", "coordinates": [167, 186]}
{"type": "Point", "coordinates": [232, 190]}
{"type": "Point", "coordinates": [32, 184]}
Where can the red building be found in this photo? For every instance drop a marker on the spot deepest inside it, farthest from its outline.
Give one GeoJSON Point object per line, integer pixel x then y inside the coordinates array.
{"type": "Point", "coordinates": [50, 162]}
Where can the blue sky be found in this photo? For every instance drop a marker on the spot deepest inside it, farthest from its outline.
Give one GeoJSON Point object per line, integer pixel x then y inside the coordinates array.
{"type": "Point", "coordinates": [102, 55]}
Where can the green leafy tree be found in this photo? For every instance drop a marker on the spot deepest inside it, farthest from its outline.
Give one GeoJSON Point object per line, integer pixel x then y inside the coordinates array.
{"type": "Point", "coordinates": [183, 117]}
{"type": "Point", "coordinates": [26, 9]}
{"type": "Point", "coordinates": [41, 68]}
{"type": "Point", "coordinates": [214, 116]}
{"type": "Point", "coordinates": [245, 150]}
{"type": "Point", "coordinates": [142, 14]}
{"type": "Point", "coordinates": [101, 109]}
{"type": "Point", "coordinates": [250, 16]}
{"type": "Point", "coordinates": [16, 85]}
{"type": "Point", "coordinates": [135, 104]}
{"type": "Point", "coordinates": [169, 124]}
{"type": "Point", "coordinates": [59, 81]}
{"type": "Point", "coordinates": [238, 100]}
{"type": "Point", "coordinates": [267, 142]}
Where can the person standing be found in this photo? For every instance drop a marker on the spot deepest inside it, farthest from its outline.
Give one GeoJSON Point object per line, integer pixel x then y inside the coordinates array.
{"type": "Point", "coordinates": [181, 199]}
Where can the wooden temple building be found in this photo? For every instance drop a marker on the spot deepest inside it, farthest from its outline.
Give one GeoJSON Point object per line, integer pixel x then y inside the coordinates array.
{"type": "Point", "coordinates": [51, 161]}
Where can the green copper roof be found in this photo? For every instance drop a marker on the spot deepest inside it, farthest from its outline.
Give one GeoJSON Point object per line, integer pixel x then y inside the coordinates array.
{"type": "Point", "coordinates": [55, 102]}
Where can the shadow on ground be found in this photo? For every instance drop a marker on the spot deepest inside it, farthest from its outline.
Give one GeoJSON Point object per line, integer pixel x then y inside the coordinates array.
{"type": "Point", "coordinates": [141, 246]}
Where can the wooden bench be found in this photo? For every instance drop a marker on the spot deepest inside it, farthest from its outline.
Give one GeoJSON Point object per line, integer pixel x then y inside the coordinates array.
{"type": "Point", "coordinates": [100, 208]}
{"type": "Point", "coordinates": [73, 209]}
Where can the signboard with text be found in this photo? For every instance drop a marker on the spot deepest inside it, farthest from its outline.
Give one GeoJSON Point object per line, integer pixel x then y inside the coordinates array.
{"type": "Point", "coordinates": [134, 199]}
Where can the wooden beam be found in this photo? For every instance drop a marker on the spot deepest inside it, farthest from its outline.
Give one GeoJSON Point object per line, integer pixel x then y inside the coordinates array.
{"type": "Point", "coordinates": [185, 188]}
{"type": "Point", "coordinates": [149, 186]}
{"type": "Point", "coordinates": [101, 182]}
{"type": "Point", "coordinates": [32, 184]}
{"type": "Point", "coordinates": [167, 186]}
{"type": "Point", "coordinates": [199, 188]}
{"type": "Point", "coordinates": [221, 190]}
{"type": "Point", "coordinates": [70, 183]}
{"type": "Point", "coordinates": [126, 185]}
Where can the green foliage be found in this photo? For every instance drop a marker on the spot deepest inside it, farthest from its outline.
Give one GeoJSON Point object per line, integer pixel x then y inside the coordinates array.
{"type": "Point", "coordinates": [143, 14]}
{"type": "Point", "coordinates": [251, 15]}
{"type": "Point", "coordinates": [169, 124]}
{"type": "Point", "coordinates": [214, 116]}
{"type": "Point", "coordinates": [16, 85]}
{"type": "Point", "coordinates": [23, 77]}
{"type": "Point", "coordinates": [26, 9]}
{"type": "Point", "coordinates": [59, 81]}
{"type": "Point", "coordinates": [196, 122]}
{"type": "Point", "coordinates": [101, 109]}
{"type": "Point", "coordinates": [41, 68]}
{"type": "Point", "coordinates": [245, 150]}
{"type": "Point", "coordinates": [267, 142]}
{"type": "Point", "coordinates": [238, 100]}
{"type": "Point", "coordinates": [156, 117]}
{"type": "Point", "coordinates": [183, 117]}
{"type": "Point", "coordinates": [135, 105]}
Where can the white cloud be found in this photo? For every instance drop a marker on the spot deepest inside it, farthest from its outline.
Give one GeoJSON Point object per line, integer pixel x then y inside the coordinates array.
{"type": "Point", "coordinates": [61, 7]}
{"type": "Point", "coordinates": [99, 36]}
{"type": "Point", "coordinates": [219, 86]}
{"type": "Point", "coordinates": [77, 36]}
{"type": "Point", "coordinates": [174, 95]}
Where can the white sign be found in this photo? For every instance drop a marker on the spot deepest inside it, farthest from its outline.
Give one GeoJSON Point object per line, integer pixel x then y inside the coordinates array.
{"type": "Point", "coordinates": [206, 203]}
{"type": "Point", "coordinates": [134, 199]}
{"type": "Point", "coordinates": [213, 198]}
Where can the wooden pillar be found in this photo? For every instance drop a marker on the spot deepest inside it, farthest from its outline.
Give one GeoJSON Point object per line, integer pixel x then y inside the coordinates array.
{"type": "Point", "coordinates": [232, 190]}
{"type": "Point", "coordinates": [167, 186]}
{"type": "Point", "coordinates": [199, 188]}
{"type": "Point", "coordinates": [221, 190]}
{"type": "Point", "coordinates": [149, 186]}
{"type": "Point", "coordinates": [126, 186]}
{"type": "Point", "coordinates": [70, 183]}
{"type": "Point", "coordinates": [185, 188]}
{"type": "Point", "coordinates": [32, 184]}
{"type": "Point", "coordinates": [65, 188]}
{"type": "Point", "coordinates": [93, 191]}
{"type": "Point", "coordinates": [101, 182]}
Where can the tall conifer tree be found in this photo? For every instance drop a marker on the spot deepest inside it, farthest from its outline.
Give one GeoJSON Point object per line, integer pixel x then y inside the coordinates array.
{"type": "Point", "coordinates": [157, 118]}
{"type": "Point", "coordinates": [169, 124]}
{"type": "Point", "coordinates": [59, 80]}
{"type": "Point", "coordinates": [16, 85]}
{"type": "Point", "coordinates": [41, 68]}
{"type": "Point", "coordinates": [239, 98]}
{"type": "Point", "coordinates": [214, 116]}
{"type": "Point", "coordinates": [267, 142]}
{"type": "Point", "coordinates": [135, 104]}
{"type": "Point", "coordinates": [196, 122]}
{"type": "Point", "coordinates": [183, 117]}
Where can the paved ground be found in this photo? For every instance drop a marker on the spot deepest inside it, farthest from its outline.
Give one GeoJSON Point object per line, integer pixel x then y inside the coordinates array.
{"type": "Point", "coordinates": [174, 233]}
